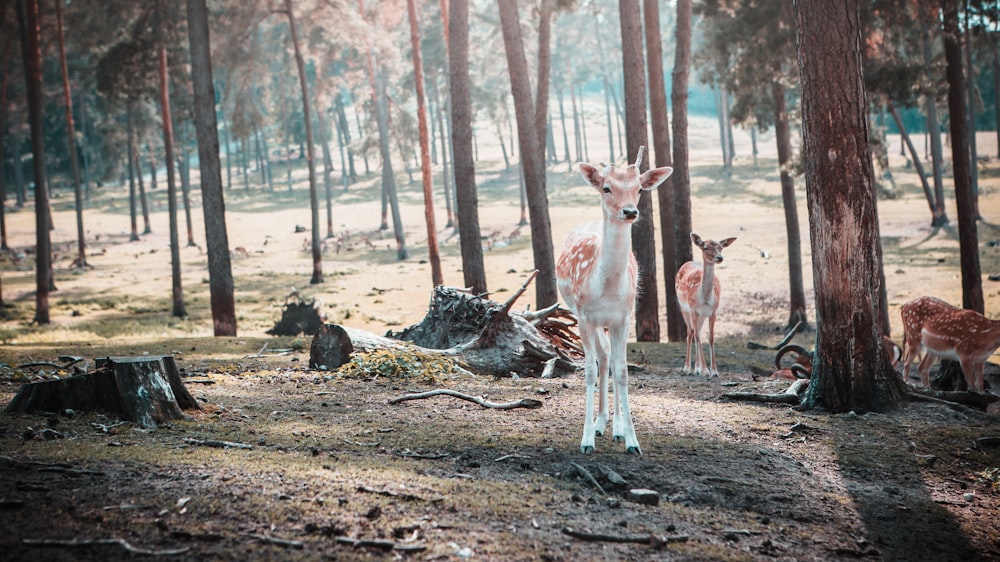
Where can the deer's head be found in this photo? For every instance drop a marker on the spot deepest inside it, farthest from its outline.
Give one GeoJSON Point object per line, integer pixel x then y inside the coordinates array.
{"type": "Point", "coordinates": [620, 188]}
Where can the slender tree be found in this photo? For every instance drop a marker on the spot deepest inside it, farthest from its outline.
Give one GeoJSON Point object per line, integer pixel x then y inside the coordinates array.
{"type": "Point", "coordinates": [168, 145]}
{"type": "Point", "coordinates": [81, 259]}
{"type": "Point", "coordinates": [220, 277]}
{"type": "Point", "coordinates": [317, 254]}
{"type": "Point", "coordinates": [473, 269]}
{"type": "Point", "coordinates": [437, 277]}
{"type": "Point", "coordinates": [28, 23]}
{"type": "Point", "coordinates": [851, 369]}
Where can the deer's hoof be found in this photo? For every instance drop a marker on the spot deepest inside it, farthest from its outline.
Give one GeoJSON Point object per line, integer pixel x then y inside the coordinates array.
{"type": "Point", "coordinates": [634, 450]}
{"type": "Point", "coordinates": [618, 438]}
{"type": "Point", "coordinates": [586, 449]}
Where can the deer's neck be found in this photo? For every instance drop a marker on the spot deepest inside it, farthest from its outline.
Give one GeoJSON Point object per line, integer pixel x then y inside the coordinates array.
{"type": "Point", "coordinates": [706, 291]}
{"type": "Point", "coordinates": [616, 246]}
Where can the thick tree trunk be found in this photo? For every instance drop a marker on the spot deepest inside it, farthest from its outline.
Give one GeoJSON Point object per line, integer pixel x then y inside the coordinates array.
{"type": "Point", "coordinates": [220, 275]}
{"type": "Point", "coordinates": [676, 330]}
{"type": "Point", "coordinates": [531, 142]}
{"type": "Point", "coordinates": [968, 238]}
{"type": "Point", "coordinates": [851, 369]}
{"type": "Point", "coordinates": [647, 316]}
{"type": "Point", "coordinates": [147, 391]}
{"type": "Point", "coordinates": [681, 178]}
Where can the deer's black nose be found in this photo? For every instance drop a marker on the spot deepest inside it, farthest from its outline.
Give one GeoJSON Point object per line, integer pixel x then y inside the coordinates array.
{"type": "Point", "coordinates": [630, 213]}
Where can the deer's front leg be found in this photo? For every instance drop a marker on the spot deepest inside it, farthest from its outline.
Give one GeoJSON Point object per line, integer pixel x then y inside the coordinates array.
{"type": "Point", "coordinates": [623, 428]}
{"type": "Point", "coordinates": [590, 344]}
{"type": "Point", "coordinates": [601, 423]}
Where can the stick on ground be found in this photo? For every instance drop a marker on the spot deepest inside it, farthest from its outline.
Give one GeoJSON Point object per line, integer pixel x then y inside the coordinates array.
{"type": "Point", "coordinates": [528, 403]}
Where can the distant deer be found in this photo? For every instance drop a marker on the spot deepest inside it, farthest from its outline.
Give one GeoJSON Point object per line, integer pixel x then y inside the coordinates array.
{"type": "Point", "coordinates": [960, 335]}
{"type": "Point", "coordinates": [698, 291]}
{"type": "Point", "coordinates": [914, 315]}
{"type": "Point", "coordinates": [597, 276]}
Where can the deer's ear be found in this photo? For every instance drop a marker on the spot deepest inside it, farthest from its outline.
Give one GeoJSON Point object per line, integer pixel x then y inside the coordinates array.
{"type": "Point", "coordinates": [592, 175]}
{"type": "Point", "coordinates": [697, 240]}
{"type": "Point", "coordinates": [725, 243]}
{"type": "Point", "coordinates": [652, 179]}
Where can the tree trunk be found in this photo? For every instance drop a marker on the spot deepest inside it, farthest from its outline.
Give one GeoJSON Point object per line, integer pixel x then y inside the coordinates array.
{"type": "Point", "coordinates": [473, 269]}
{"type": "Point", "coordinates": [143, 390]}
{"type": "Point", "coordinates": [796, 289]}
{"type": "Point", "coordinates": [4, 81]}
{"type": "Point", "coordinates": [968, 238]}
{"type": "Point", "coordinates": [647, 321]}
{"type": "Point", "coordinates": [437, 277]}
{"type": "Point", "coordinates": [143, 201]}
{"type": "Point", "coordinates": [939, 217]}
{"type": "Point", "coordinates": [530, 142]}
{"type": "Point", "coordinates": [27, 16]}
{"type": "Point", "coordinates": [913, 155]}
{"type": "Point", "coordinates": [220, 276]}
{"type": "Point", "coordinates": [970, 92]}
{"type": "Point", "coordinates": [132, 196]}
{"type": "Point", "coordinates": [681, 178]}
{"type": "Point", "coordinates": [851, 369]}
{"type": "Point", "coordinates": [168, 146]}
{"type": "Point", "coordinates": [676, 330]}
{"type": "Point", "coordinates": [317, 254]}
{"type": "Point", "coordinates": [388, 179]}
{"type": "Point", "coordinates": [81, 246]}
{"type": "Point", "coordinates": [324, 136]}
{"type": "Point", "coordinates": [542, 86]}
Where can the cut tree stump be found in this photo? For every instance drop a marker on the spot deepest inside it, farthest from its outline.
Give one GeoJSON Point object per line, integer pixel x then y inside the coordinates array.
{"type": "Point", "coordinates": [144, 390]}
{"type": "Point", "coordinates": [486, 337]}
{"type": "Point", "coordinates": [298, 316]}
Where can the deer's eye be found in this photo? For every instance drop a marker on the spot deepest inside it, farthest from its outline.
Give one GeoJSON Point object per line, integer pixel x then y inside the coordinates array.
{"type": "Point", "coordinates": [607, 188]}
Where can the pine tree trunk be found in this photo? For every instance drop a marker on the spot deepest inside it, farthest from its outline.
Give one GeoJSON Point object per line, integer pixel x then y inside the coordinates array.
{"type": "Point", "coordinates": [681, 178]}
{"type": "Point", "coordinates": [168, 146]}
{"type": "Point", "coordinates": [81, 246]}
{"type": "Point", "coordinates": [796, 289]}
{"type": "Point", "coordinates": [132, 203]}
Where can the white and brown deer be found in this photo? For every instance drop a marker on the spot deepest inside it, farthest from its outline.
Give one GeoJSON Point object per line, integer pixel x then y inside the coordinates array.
{"type": "Point", "coordinates": [698, 291]}
{"type": "Point", "coordinates": [915, 314]}
{"type": "Point", "coordinates": [961, 335]}
{"type": "Point", "coordinates": [597, 277]}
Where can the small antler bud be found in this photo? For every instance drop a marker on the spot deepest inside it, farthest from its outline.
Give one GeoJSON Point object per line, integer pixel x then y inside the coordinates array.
{"type": "Point", "coordinates": [638, 157]}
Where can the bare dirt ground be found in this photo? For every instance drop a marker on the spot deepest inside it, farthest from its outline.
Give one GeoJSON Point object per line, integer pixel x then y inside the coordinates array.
{"type": "Point", "coordinates": [331, 461]}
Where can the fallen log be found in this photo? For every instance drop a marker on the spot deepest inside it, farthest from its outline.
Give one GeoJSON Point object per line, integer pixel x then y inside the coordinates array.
{"type": "Point", "coordinates": [792, 395]}
{"type": "Point", "coordinates": [484, 336]}
{"type": "Point", "coordinates": [144, 390]}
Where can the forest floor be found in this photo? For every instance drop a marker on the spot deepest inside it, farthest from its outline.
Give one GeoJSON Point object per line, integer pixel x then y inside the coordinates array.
{"type": "Point", "coordinates": [330, 462]}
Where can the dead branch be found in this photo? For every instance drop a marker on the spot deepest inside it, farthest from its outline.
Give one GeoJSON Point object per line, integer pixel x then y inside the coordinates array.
{"type": "Point", "coordinates": [217, 444]}
{"type": "Point", "coordinates": [651, 540]}
{"type": "Point", "coordinates": [67, 363]}
{"type": "Point", "coordinates": [392, 494]}
{"type": "Point", "coordinates": [789, 396]}
{"type": "Point", "coordinates": [978, 400]}
{"type": "Point", "coordinates": [588, 477]}
{"type": "Point", "coordinates": [528, 403]}
{"type": "Point", "coordinates": [275, 540]}
{"type": "Point", "coordinates": [505, 308]}
{"type": "Point", "coordinates": [74, 543]}
{"type": "Point", "coordinates": [381, 544]}
{"type": "Point", "coordinates": [788, 337]}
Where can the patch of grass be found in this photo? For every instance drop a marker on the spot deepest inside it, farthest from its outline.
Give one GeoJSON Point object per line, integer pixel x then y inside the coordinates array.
{"type": "Point", "coordinates": [394, 364]}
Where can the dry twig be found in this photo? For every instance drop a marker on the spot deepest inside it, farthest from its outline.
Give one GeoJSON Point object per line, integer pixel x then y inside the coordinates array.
{"type": "Point", "coordinates": [73, 543]}
{"type": "Point", "coordinates": [651, 540]}
{"type": "Point", "coordinates": [529, 403]}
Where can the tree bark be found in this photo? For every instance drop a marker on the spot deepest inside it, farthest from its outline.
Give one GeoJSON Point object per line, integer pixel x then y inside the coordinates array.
{"type": "Point", "coordinates": [681, 178]}
{"type": "Point", "coordinates": [168, 146]}
{"type": "Point", "coordinates": [437, 277]}
{"type": "Point", "coordinates": [939, 217]}
{"type": "Point", "coordinates": [913, 155]}
{"type": "Point", "coordinates": [676, 330]}
{"type": "Point", "coordinates": [530, 143]}
{"type": "Point", "coordinates": [796, 289]}
{"type": "Point", "coordinates": [851, 369]}
{"type": "Point", "coordinates": [27, 16]}
{"type": "Point", "coordinates": [968, 238]}
{"type": "Point", "coordinates": [144, 390]}
{"type": "Point", "coordinates": [220, 275]}
{"type": "Point", "coordinates": [647, 315]}
{"type": "Point", "coordinates": [132, 195]}
{"type": "Point", "coordinates": [317, 253]}
{"type": "Point", "coordinates": [81, 245]}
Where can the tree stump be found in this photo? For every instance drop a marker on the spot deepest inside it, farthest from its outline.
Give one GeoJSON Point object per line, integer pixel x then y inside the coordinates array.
{"type": "Point", "coordinates": [299, 316]}
{"type": "Point", "coordinates": [331, 347]}
{"type": "Point", "coordinates": [144, 390]}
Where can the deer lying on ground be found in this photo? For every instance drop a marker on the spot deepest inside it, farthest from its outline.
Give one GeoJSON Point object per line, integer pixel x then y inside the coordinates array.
{"type": "Point", "coordinates": [698, 291]}
{"type": "Point", "coordinates": [961, 335]}
{"type": "Point", "coordinates": [597, 276]}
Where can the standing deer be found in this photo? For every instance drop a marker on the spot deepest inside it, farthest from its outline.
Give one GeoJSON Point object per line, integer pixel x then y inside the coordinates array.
{"type": "Point", "coordinates": [960, 335]}
{"type": "Point", "coordinates": [698, 291]}
{"type": "Point", "coordinates": [597, 276]}
{"type": "Point", "coordinates": [914, 315]}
